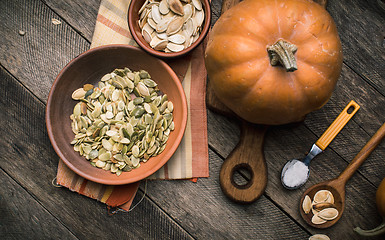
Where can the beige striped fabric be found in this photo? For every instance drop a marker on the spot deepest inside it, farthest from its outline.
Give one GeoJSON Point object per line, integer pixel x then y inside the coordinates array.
{"type": "Point", "coordinates": [190, 161]}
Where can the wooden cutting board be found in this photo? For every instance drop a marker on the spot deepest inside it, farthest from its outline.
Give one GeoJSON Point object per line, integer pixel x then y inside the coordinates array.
{"type": "Point", "coordinates": [248, 153]}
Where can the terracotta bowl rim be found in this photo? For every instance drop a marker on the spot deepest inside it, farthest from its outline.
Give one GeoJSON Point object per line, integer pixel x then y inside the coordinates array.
{"type": "Point", "coordinates": [168, 153]}
{"type": "Point", "coordinates": [144, 45]}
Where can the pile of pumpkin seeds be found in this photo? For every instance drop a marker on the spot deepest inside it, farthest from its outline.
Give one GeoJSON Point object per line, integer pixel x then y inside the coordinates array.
{"type": "Point", "coordinates": [322, 207]}
{"type": "Point", "coordinates": [122, 122]}
{"type": "Point", "coordinates": [171, 25]}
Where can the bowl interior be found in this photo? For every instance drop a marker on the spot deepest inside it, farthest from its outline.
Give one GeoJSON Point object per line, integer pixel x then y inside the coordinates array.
{"type": "Point", "coordinates": [89, 67]}
{"type": "Point", "coordinates": [133, 22]}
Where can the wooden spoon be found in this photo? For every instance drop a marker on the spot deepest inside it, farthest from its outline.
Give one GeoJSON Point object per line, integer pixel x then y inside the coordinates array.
{"type": "Point", "coordinates": [337, 185]}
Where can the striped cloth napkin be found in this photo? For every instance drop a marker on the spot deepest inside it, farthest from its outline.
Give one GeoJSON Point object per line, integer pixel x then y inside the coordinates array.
{"type": "Point", "coordinates": [190, 161]}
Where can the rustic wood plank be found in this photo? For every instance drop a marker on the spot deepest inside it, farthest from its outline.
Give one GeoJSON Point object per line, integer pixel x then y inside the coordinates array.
{"type": "Point", "coordinates": [362, 31]}
{"type": "Point", "coordinates": [37, 57]}
{"type": "Point", "coordinates": [17, 60]}
{"type": "Point", "coordinates": [22, 123]}
{"type": "Point", "coordinates": [280, 147]}
{"type": "Point", "coordinates": [18, 206]}
{"type": "Point", "coordinates": [80, 15]}
{"type": "Point", "coordinates": [203, 202]}
{"type": "Point", "coordinates": [216, 6]}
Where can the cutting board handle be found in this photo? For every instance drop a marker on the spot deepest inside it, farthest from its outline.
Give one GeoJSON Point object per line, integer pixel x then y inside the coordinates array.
{"type": "Point", "coordinates": [247, 155]}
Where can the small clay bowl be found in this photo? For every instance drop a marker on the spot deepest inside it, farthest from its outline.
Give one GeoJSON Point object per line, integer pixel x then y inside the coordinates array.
{"type": "Point", "coordinates": [89, 67]}
{"type": "Point", "coordinates": [133, 24]}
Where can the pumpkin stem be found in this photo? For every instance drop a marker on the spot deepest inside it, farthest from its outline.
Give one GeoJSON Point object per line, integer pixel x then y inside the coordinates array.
{"type": "Point", "coordinates": [373, 232]}
{"type": "Point", "coordinates": [283, 52]}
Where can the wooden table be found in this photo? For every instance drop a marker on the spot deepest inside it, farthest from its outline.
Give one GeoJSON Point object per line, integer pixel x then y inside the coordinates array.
{"type": "Point", "coordinates": [32, 208]}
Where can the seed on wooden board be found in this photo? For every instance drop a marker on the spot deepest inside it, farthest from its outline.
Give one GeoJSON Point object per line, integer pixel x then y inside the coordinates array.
{"type": "Point", "coordinates": [319, 237]}
{"type": "Point", "coordinates": [306, 204]}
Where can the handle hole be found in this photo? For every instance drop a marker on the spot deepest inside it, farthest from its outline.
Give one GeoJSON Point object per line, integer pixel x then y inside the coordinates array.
{"type": "Point", "coordinates": [350, 109]}
{"type": "Point", "coordinates": [241, 176]}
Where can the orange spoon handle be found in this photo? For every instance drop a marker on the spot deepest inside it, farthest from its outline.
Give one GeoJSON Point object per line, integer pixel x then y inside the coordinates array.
{"type": "Point", "coordinates": [337, 125]}
{"type": "Point", "coordinates": [363, 154]}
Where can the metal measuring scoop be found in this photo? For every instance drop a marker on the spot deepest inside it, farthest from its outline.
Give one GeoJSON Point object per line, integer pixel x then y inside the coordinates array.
{"type": "Point", "coordinates": [296, 172]}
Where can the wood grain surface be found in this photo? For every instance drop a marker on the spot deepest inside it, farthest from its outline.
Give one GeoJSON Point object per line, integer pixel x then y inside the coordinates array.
{"type": "Point", "coordinates": [32, 208]}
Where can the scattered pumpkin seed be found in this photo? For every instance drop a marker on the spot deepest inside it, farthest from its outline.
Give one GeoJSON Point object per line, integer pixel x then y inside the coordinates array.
{"type": "Point", "coordinates": [319, 237]}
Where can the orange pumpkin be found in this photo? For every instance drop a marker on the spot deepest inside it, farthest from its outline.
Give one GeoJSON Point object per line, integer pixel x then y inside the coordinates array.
{"type": "Point", "coordinates": [273, 62]}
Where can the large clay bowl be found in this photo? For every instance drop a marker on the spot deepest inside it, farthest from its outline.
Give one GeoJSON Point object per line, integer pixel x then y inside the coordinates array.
{"type": "Point", "coordinates": [89, 67]}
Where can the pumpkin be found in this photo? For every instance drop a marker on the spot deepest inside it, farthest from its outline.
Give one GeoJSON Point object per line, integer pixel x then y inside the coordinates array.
{"type": "Point", "coordinates": [273, 62]}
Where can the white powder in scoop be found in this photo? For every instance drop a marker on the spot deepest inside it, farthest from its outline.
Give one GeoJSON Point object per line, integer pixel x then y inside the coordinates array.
{"type": "Point", "coordinates": [296, 174]}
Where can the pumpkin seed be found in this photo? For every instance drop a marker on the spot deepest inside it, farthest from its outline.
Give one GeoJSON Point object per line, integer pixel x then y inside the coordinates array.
{"type": "Point", "coordinates": [328, 214]}
{"type": "Point", "coordinates": [176, 6]}
{"type": "Point", "coordinates": [105, 156]}
{"type": "Point", "coordinates": [197, 4]}
{"type": "Point", "coordinates": [322, 206]}
{"type": "Point", "coordinates": [78, 94]}
{"type": "Point", "coordinates": [306, 205]}
{"type": "Point", "coordinates": [322, 196]}
{"type": "Point", "coordinates": [319, 237]}
{"type": "Point", "coordinates": [317, 220]}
